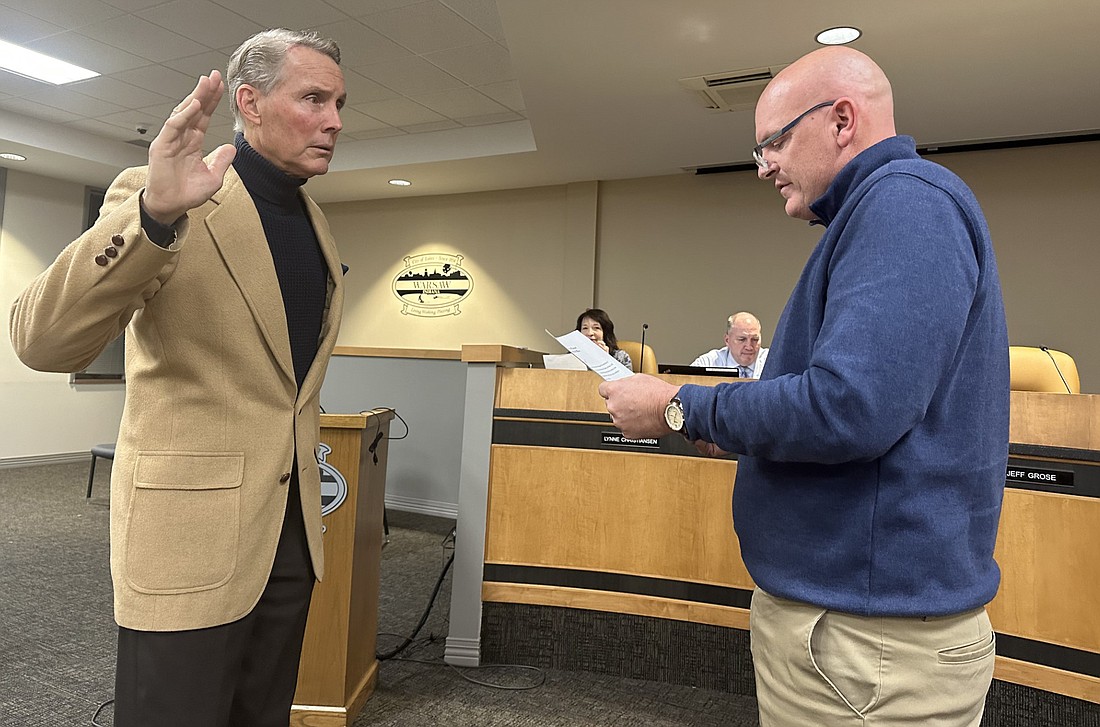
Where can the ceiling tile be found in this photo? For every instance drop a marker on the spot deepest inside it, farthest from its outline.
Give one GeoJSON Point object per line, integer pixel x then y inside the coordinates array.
{"type": "Point", "coordinates": [100, 128]}
{"type": "Point", "coordinates": [361, 89]}
{"type": "Point", "coordinates": [21, 28]}
{"type": "Point", "coordinates": [433, 126]}
{"type": "Point", "coordinates": [133, 6]}
{"type": "Point", "coordinates": [490, 119]}
{"type": "Point", "coordinates": [116, 92]}
{"type": "Point", "coordinates": [19, 105]}
{"type": "Point", "coordinates": [460, 102]}
{"type": "Point", "coordinates": [87, 52]}
{"type": "Point", "coordinates": [150, 118]}
{"type": "Point", "coordinates": [425, 27]}
{"type": "Point", "coordinates": [210, 24]}
{"type": "Point", "coordinates": [18, 85]}
{"type": "Point", "coordinates": [482, 13]}
{"type": "Point", "coordinates": [475, 64]}
{"type": "Point", "coordinates": [285, 13]}
{"type": "Point", "coordinates": [77, 103]}
{"type": "Point", "coordinates": [410, 76]}
{"type": "Point", "coordinates": [366, 7]}
{"type": "Point", "coordinates": [400, 112]}
{"type": "Point", "coordinates": [355, 121]}
{"type": "Point", "coordinates": [69, 14]}
{"type": "Point", "coordinates": [142, 38]}
{"type": "Point", "coordinates": [359, 45]}
{"type": "Point", "coordinates": [507, 93]}
{"type": "Point", "coordinates": [380, 133]}
{"type": "Point", "coordinates": [200, 65]}
{"type": "Point", "coordinates": [160, 79]}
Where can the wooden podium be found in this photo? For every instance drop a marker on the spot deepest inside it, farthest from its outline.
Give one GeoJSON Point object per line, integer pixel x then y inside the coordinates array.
{"type": "Point", "coordinates": [338, 669]}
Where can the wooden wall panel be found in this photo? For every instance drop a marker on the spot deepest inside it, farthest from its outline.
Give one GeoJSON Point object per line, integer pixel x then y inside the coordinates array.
{"type": "Point", "coordinates": [1055, 420]}
{"type": "Point", "coordinates": [1048, 546]}
{"type": "Point", "coordinates": [671, 518]}
{"type": "Point", "coordinates": [577, 391]}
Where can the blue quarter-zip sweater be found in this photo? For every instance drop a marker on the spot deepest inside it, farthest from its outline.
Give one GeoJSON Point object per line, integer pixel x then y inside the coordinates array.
{"type": "Point", "coordinates": [873, 452]}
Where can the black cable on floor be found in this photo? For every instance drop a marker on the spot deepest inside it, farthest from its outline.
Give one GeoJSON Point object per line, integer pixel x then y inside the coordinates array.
{"type": "Point", "coordinates": [458, 670]}
{"type": "Point", "coordinates": [98, 710]}
{"type": "Point", "coordinates": [424, 617]}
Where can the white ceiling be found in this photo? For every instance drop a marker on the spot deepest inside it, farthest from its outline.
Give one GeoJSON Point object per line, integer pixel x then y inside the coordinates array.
{"type": "Point", "coordinates": [469, 95]}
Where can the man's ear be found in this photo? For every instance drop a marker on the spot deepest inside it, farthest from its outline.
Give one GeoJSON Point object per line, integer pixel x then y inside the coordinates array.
{"type": "Point", "coordinates": [248, 99]}
{"type": "Point", "coordinates": [845, 123]}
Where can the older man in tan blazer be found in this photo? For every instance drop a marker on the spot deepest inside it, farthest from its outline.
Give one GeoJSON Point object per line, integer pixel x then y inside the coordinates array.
{"type": "Point", "coordinates": [230, 288]}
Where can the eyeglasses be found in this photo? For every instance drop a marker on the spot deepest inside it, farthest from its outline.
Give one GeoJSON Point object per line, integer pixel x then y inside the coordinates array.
{"type": "Point", "coordinates": [758, 150]}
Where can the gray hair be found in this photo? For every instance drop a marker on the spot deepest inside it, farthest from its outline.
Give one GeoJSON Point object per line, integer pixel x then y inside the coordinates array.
{"type": "Point", "coordinates": [259, 60]}
{"type": "Point", "coordinates": [743, 315]}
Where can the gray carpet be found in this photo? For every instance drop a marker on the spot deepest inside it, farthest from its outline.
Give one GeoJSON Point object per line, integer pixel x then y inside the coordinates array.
{"type": "Point", "coordinates": [57, 637]}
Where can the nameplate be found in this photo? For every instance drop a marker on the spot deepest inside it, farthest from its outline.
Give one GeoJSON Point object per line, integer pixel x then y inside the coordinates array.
{"type": "Point", "coordinates": [1037, 476]}
{"type": "Point", "coordinates": [618, 440]}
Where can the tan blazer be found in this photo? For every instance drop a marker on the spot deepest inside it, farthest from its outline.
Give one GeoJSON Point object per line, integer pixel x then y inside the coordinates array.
{"type": "Point", "coordinates": [212, 419]}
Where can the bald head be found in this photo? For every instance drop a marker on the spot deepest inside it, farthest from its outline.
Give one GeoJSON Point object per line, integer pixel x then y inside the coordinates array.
{"type": "Point", "coordinates": [743, 319]}
{"type": "Point", "coordinates": [743, 337]}
{"type": "Point", "coordinates": [836, 72]}
{"type": "Point", "coordinates": [804, 161]}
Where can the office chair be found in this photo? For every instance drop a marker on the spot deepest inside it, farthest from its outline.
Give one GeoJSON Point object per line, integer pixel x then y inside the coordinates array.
{"type": "Point", "coordinates": [106, 451]}
{"type": "Point", "coordinates": [634, 349]}
{"type": "Point", "coordinates": [1038, 368]}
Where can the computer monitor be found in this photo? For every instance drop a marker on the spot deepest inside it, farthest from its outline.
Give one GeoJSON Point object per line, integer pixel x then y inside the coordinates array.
{"type": "Point", "coordinates": [685, 370]}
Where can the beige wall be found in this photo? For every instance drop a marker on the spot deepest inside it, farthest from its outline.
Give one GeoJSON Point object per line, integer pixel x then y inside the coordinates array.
{"type": "Point", "coordinates": [682, 252]}
{"type": "Point", "coordinates": [1042, 204]}
{"type": "Point", "coordinates": [525, 251]}
{"type": "Point", "coordinates": [42, 413]}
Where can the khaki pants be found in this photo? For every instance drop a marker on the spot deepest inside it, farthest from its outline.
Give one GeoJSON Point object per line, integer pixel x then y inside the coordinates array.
{"type": "Point", "coordinates": [820, 667]}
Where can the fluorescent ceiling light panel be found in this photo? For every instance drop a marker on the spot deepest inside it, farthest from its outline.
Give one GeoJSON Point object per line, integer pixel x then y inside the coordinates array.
{"type": "Point", "coordinates": [18, 59]}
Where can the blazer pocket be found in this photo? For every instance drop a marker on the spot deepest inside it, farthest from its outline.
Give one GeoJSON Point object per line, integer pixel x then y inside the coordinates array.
{"type": "Point", "coordinates": [184, 522]}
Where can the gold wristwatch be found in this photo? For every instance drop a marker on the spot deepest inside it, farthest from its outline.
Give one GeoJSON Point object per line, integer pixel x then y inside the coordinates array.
{"type": "Point", "coordinates": [674, 416]}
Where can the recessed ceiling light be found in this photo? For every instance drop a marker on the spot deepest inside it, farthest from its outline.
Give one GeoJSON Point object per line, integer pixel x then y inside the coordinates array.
{"type": "Point", "coordinates": [400, 182]}
{"type": "Point", "coordinates": [12, 157]}
{"type": "Point", "coordinates": [24, 62]}
{"type": "Point", "coordinates": [838, 36]}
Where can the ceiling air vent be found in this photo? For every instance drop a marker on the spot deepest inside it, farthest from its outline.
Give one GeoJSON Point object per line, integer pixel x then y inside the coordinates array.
{"type": "Point", "coordinates": [733, 90]}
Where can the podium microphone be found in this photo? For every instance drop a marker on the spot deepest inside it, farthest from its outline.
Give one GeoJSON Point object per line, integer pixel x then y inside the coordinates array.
{"type": "Point", "coordinates": [1045, 350]}
{"type": "Point", "coordinates": [641, 356]}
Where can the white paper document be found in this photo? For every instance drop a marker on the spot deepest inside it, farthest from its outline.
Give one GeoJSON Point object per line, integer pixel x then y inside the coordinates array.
{"type": "Point", "coordinates": [593, 356]}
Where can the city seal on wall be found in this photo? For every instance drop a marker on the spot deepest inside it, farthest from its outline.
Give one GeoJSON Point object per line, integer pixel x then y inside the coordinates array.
{"type": "Point", "coordinates": [432, 285]}
{"type": "Point", "coordinates": [334, 488]}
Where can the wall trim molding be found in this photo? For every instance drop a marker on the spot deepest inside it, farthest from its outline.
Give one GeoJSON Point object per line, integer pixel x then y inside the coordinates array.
{"type": "Point", "coordinates": [40, 459]}
{"type": "Point", "coordinates": [423, 507]}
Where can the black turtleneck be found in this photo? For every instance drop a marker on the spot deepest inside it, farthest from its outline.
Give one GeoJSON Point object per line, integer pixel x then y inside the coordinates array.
{"type": "Point", "coordinates": [303, 276]}
{"type": "Point", "coordinates": [299, 265]}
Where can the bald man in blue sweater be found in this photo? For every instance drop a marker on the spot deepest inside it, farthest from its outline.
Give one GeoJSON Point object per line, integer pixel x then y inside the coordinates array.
{"type": "Point", "coordinates": [873, 450]}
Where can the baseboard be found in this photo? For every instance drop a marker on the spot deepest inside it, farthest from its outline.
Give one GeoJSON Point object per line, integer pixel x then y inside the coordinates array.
{"type": "Point", "coordinates": [422, 507]}
{"type": "Point", "coordinates": [38, 459]}
{"type": "Point", "coordinates": [462, 652]}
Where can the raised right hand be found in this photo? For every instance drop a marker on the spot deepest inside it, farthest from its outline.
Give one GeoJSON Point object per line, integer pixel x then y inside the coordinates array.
{"type": "Point", "coordinates": [180, 178]}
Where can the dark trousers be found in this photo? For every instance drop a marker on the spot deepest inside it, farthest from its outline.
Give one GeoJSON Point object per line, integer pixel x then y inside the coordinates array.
{"type": "Point", "coordinates": [240, 674]}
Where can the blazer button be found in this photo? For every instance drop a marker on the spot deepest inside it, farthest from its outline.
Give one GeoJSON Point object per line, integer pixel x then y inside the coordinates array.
{"type": "Point", "coordinates": [117, 240]}
{"type": "Point", "coordinates": [110, 251]}
{"type": "Point", "coordinates": [285, 478]}
{"type": "Point", "coordinates": [101, 260]}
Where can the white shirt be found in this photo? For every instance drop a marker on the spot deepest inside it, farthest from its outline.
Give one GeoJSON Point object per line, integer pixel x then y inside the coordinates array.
{"type": "Point", "coordinates": [721, 358]}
